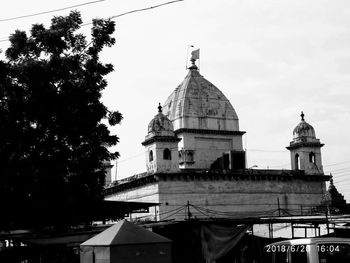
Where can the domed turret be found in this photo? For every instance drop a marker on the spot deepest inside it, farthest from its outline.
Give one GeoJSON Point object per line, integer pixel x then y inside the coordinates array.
{"type": "Point", "coordinates": [161, 145]}
{"type": "Point", "coordinates": [305, 149]}
{"type": "Point", "coordinates": [160, 125]}
{"type": "Point", "coordinates": [303, 129]}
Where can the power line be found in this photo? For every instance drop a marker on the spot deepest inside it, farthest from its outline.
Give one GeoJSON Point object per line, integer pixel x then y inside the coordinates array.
{"type": "Point", "coordinates": [112, 17]}
{"type": "Point", "coordinates": [131, 157]}
{"type": "Point", "coordinates": [338, 176]}
{"type": "Point", "coordinates": [137, 10]}
{"type": "Point", "coordinates": [144, 9]}
{"type": "Point", "coordinates": [341, 169]}
{"type": "Point", "coordinates": [341, 173]}
{"type": "Point", "coordinates": [333, 164]}
{"type": "Point", "coordinates": [50, 11]}
{"type": "Point", "coordinates": [336, 173]}
{"type": "Point", "coordinates": [342, 181]}
{"type": "Point", "coordinates": [178, 211]}
{"type": "Point", "coordinates": [258, 150]}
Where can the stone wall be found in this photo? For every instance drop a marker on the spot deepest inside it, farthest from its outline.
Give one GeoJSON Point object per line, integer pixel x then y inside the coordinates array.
{"type": "Point", "coordinates": [144, 193]}
{"type": "Point", "coordinates": [223, 195]}
{"type": "Point", "coordinates": [241, 198]}
{"type": "Point", "coordinates": [147, 193]}
{"type": "Point", "coordinates": [159, 164]}
{"type": "Point", "coordinates": [208, 147]}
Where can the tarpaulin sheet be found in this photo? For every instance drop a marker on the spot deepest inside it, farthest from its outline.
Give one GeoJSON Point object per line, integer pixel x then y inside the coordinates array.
{"type": "Point", "coordinates": [217, 241]}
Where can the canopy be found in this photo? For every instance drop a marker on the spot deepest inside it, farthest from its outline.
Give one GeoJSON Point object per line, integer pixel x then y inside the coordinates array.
{"type": "Point", "coordinates": [125, 233]}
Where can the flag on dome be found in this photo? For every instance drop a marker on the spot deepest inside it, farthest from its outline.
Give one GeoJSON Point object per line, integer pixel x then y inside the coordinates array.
{"type": "Point", "coordinates": [195, 54]}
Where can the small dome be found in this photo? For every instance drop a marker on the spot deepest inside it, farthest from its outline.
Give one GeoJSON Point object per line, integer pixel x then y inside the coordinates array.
{"type": "Point", "coordinates": [160, 123]}
{"type": "Point", "coordinates": [303, 129]}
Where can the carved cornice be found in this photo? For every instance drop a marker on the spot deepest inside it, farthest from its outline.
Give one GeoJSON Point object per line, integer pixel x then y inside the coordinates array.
{"type": "Point", "coordinates": [215, 175]}
{"type": "Point", "coordinates": [160, 139]}
{"type": "Point", "coordinates": [296, 145]}
{"type": "Point", "coordinates": [216, 132]}
{"type": "Point", "coordinates": [122, 185]}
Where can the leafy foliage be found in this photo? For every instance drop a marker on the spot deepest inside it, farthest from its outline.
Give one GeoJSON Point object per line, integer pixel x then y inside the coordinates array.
{"type": "Point", "coordinates": [53, 142]}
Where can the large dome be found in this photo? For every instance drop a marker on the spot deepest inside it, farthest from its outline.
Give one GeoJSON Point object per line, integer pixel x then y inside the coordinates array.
{"type": "Point", "coordinates": [303, 129]}
{"type": "Point", "coordinates": [198, 104]}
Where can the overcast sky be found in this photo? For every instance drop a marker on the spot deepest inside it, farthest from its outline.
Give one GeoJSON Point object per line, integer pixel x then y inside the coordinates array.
{"type": "Point", "coordinates": [272, 60]}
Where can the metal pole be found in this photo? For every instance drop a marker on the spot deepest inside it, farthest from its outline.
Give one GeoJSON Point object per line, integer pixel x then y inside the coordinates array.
{"type": "Point", "coordinates": [155, 213]}
{"type": "Point", "coordinates": [327, 210]}
{"type": "Point", "coordinates": [270, 230]}
{"type": "Point", "coordinates": [188, 210]}
{"type": "Point", "coordinates": [315, 230]}
{"type": "Point", "coordinates": [188, 47]}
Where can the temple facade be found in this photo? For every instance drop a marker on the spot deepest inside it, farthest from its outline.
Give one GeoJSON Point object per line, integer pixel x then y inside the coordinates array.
{"type": "Point", "coordinates": [196, 165]}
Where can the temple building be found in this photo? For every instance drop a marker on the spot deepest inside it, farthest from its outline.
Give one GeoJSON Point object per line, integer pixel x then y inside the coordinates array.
{"type": "Point", "coordinates": [195, 158]}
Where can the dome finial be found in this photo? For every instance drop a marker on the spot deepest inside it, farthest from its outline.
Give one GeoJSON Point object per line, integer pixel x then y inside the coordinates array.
{"type": "Point", "coordinates": [159, 108]}
{"type": "Point", "coordinates": [302, 116]}
{"type": "Point", "coordinates": [194, 57]}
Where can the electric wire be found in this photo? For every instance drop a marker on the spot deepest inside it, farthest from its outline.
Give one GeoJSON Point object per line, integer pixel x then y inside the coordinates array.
{"type": "Point", "coordinates": [144, 9]}
{"type": "Point", "coordinates": [259, 150]}
{"type": "Point", "coordinates": [338, 171]}
{"type": "Point", "coordinates": [174, 211]}
{"type": "Point", "coordinates": [343, 181]}
{"type": "Point", "coordinates": [336, 177]}
{"type": "Point", "coordinates": [50, 11]}
{"type": "Point", "coordinates": [234, 214]}
{"type": "Point", "coordinates": [341, 169]}
{"type": "Point", "coordinates": [170, 211]}
{"type": "Point", "coordinates": [340, 174]}
{"type": "Point", "coordinates": [112, 17]}
{"type": "Point", "coordinates": [333, 164]}
{"type": "Point", "coordinates": [182, 208]}
{"type": "Point", "coordinates": [207, 213]}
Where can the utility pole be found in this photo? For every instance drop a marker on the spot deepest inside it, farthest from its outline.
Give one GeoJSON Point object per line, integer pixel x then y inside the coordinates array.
{"type": "Point", "coordinates": [189, 214]}
{"type": "Point", "coordinates": [327, 213]}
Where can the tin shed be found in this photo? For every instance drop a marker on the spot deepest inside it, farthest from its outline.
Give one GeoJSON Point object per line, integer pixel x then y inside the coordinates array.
{"type": "Point", "coordinates": [126, 242]}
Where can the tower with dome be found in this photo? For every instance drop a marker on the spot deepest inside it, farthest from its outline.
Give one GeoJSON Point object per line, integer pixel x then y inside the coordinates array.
{"type": "Point", "coordinates": [305, 149]}
{"type": "Point", "coordinates": [206, 122]}
{"type": "Point", "coordinates": [194, 155]}
{"type": "Point", "coordinates": [162, 145]}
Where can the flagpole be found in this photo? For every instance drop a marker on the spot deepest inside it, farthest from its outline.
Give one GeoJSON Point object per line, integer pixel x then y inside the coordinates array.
{"type": "Point", "coordinates": [188, 47]}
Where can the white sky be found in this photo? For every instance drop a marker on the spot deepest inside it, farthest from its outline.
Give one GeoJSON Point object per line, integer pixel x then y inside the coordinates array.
{"type": "Point", "coordinates": [272, 59]}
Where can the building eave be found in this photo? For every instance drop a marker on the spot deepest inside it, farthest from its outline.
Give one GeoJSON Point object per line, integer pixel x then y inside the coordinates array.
{"type": "Point", "coordinates": [160, 139]}
{"type": "Point", "coordinates": [203, 131]}
{"type": "Point", "coordinates": [212, 175]}
{"type": "Point", "coordinates": [297, 145]}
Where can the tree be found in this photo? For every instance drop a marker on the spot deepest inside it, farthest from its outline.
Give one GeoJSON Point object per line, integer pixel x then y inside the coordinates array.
{"type": "Point", "coordinates": [53, 140]}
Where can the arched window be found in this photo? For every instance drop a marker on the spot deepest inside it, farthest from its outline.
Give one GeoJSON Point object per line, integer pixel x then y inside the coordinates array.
{"type": "Point", "coordinates": [296, 160]}
{"type": "Point", "coordinates": [312, 158]}
{"type": "Point", "coordinates": [150, 156]}
{"type": "Point", "coordinates": [167, 154]}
